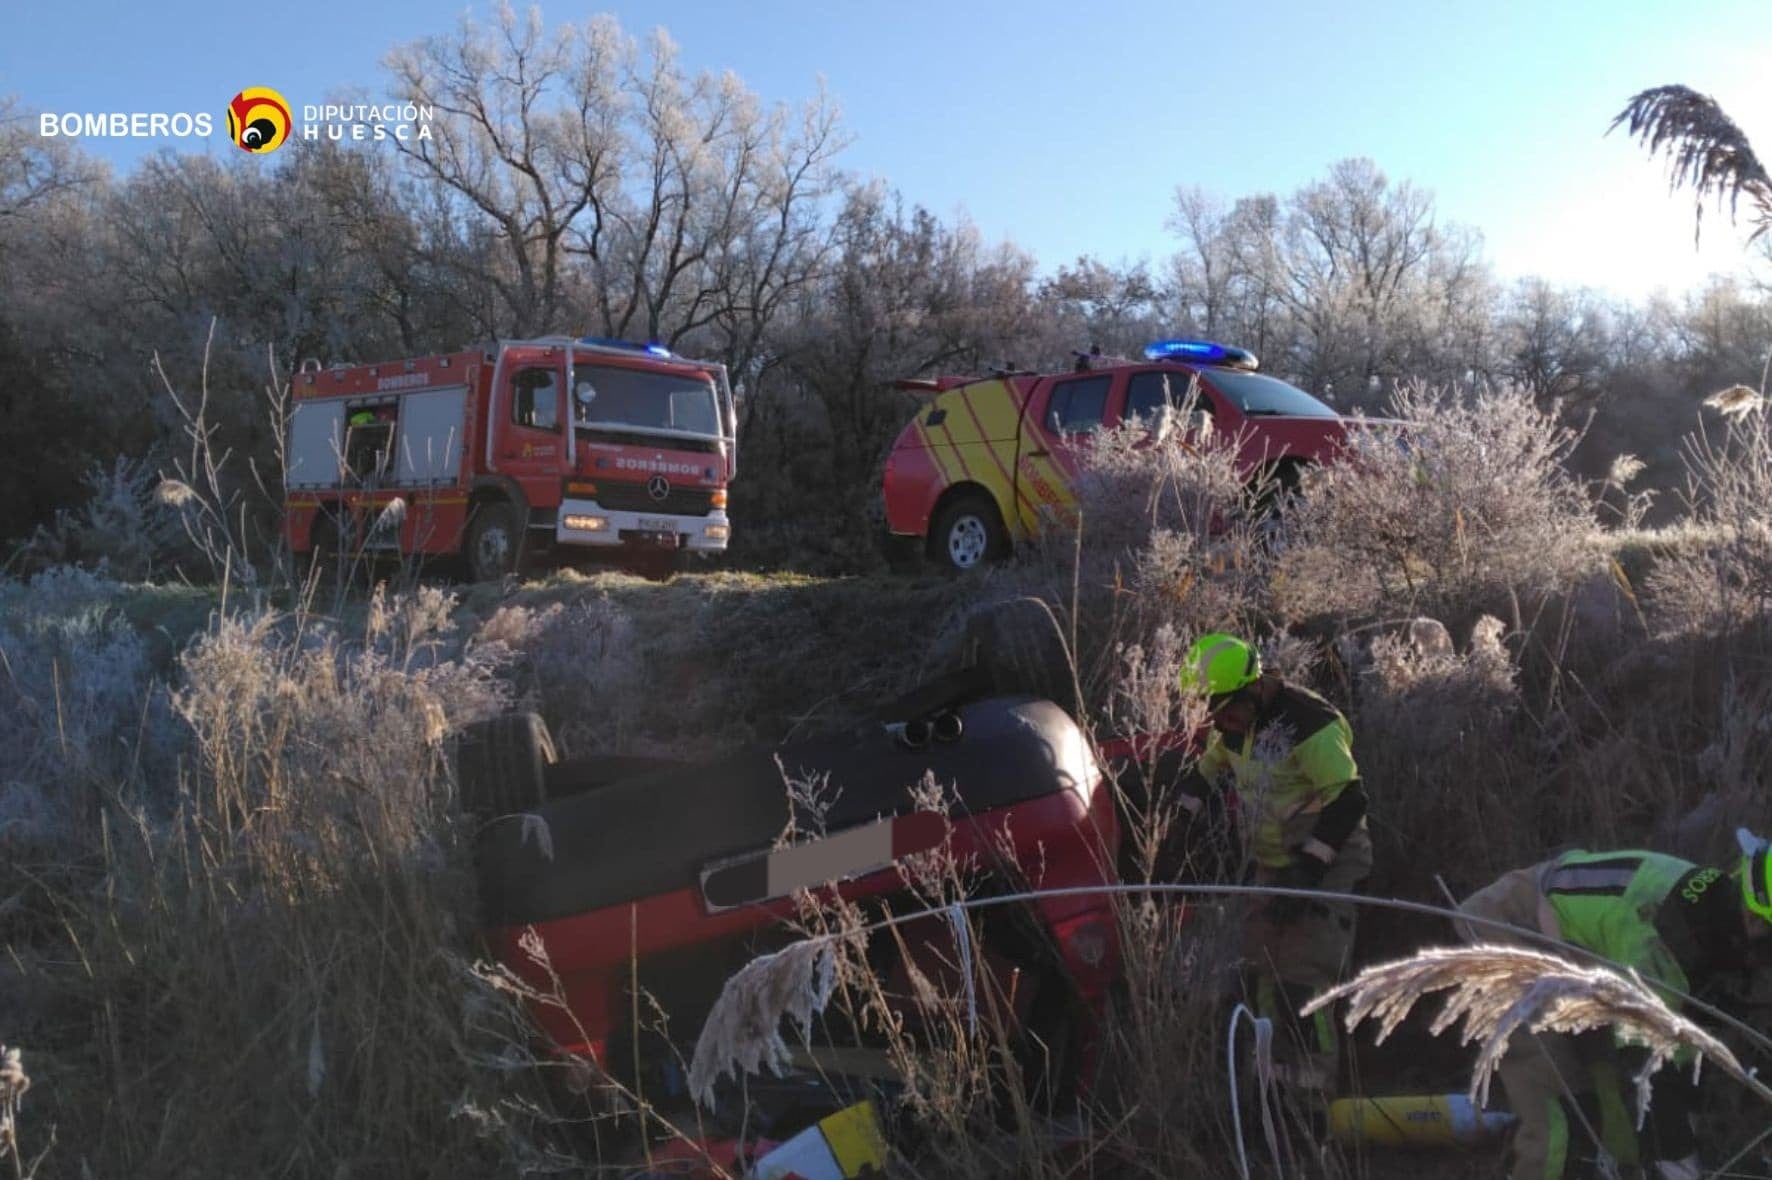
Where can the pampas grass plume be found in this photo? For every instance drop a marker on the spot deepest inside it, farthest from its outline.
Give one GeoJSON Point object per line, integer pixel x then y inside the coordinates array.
{"type": "Point", "coordinates": [1499, 990]}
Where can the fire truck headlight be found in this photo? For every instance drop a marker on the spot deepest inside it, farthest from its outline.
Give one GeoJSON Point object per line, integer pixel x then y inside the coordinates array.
{"type": "Point", "coordinates": [717, 532]}
{"type": "Point", "coordinates": [587, 524]}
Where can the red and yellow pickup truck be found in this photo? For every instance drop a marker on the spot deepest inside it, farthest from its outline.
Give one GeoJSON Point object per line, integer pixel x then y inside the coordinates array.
{"type": "Point", "coordinates": [968, 477]}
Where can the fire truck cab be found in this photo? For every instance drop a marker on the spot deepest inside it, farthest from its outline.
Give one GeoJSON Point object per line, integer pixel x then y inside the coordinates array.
{"type": "Point", "coordinates": [972, 473]}
{"type": "Point", "coordinates": [523, 447]}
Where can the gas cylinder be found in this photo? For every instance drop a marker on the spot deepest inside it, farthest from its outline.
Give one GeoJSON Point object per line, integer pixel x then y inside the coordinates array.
{"type": "Point", "coordinates": [1415, 1120]}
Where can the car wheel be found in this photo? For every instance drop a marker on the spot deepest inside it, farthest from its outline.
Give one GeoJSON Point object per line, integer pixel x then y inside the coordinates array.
{"type": "Point", "coordinates": [1022, 647]}
{"type": "Point", "coordinates": [968, 533]}
{"type": "Point", "coordinates": [501, 765]}
{"type": "Point", "coordinates": [494, 542]}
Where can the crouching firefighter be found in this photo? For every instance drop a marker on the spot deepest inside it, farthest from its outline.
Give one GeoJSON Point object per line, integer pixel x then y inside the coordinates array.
{"type": "Point", "coordinates": [1680, 926]}
{"type": "Point", "coordinates": [1288, 755]}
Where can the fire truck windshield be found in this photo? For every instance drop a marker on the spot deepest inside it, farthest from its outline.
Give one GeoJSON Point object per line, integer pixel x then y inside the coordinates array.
{"type": "Point", "coordinates": [609, 397]}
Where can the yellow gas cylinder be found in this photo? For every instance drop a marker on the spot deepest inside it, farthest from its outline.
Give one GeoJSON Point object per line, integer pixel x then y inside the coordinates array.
{"type": "Point", "coordinates": [1415, 1120]}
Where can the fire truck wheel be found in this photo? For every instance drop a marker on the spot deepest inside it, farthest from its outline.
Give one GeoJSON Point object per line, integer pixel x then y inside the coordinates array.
{"type": "Point", "coordinates": [323, 551]}
{"type": "Point", "coordinates": [968, 533]}
{"type": "Point", "coordinates": [495, 543]}
{"type": "Point", "coordinates": [501, 764]}
{"type": "Point", "coordinates": [657, 565]}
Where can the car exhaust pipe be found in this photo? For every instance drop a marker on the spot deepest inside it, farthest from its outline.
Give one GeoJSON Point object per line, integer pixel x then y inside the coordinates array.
{"type": "Point", "coordinates": [947, 727]}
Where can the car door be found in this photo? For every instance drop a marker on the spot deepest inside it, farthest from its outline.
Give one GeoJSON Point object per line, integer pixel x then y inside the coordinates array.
{"type": "Point", "coordinates": [1065, 417]}
{"type": "Point", "coordinates": [1191, 409]}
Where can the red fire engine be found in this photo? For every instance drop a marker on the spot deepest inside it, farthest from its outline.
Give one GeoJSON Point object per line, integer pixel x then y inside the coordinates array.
{"type": "Point", "coordinates": [552, 445]}
{"type": "Point", "coordinates": [969, 475]}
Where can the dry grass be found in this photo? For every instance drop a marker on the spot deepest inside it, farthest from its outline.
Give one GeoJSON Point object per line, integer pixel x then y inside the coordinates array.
{"type": "Point", "coordinates": [291, 925]}
{"type": "Point", "coordinates": [13, 1084]}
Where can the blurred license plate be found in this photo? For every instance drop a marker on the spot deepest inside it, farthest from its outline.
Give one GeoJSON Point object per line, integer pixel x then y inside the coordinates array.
{"type": "Point", "coordinates": [658, 524]}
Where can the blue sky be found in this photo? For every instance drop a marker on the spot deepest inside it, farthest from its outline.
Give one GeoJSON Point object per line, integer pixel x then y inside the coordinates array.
{"type": "Point", "coordinates": [1066, 127]}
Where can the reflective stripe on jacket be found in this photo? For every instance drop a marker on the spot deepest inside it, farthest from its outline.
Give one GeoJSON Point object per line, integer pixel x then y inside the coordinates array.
{"type": "Point", "coordinates": [1607, 902]}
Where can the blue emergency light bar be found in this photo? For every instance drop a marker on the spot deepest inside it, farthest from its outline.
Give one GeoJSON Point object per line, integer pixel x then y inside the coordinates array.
{"type": "Point", "coordinates": [629, 345]}
{"type": "Point", "coordinates": [1205, 352]}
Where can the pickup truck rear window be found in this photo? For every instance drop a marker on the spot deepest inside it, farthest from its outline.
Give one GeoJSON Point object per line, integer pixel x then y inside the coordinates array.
{"type": "Point", "coordinates": [1258, 395]}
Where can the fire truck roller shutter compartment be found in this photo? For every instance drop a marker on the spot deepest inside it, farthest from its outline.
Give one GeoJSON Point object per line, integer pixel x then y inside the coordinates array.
{"type": "Point", "coordinates": [430, 443]}
{"type": "Point", "coordinates": [316, 436]}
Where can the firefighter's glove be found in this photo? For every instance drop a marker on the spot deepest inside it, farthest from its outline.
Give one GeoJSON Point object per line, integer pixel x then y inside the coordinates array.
{"type": "Point", "coordinates": [1201, 818]}
{"type": "Point", "coordinates": [1304, 871]}
{"type": "Point", "coordinates": [1200, 814]}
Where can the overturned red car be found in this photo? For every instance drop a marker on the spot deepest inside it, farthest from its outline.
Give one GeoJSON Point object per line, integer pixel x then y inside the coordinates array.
{"type": "Point", "coordinates": [602, 878]}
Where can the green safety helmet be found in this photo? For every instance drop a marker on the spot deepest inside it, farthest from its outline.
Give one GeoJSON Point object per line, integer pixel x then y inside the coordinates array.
{"type": "Point", "coordinates": [1219, 665]}
{"type": "Point", "coordinates": [1756, 873]}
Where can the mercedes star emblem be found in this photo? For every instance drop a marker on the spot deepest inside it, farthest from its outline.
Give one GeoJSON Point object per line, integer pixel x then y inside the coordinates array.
{"type": "Point", "coordinates": [658, 487]}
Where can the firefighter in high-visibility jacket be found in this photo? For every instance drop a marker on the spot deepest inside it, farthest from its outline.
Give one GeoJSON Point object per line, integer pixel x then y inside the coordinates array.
{"type": "Point", "coordinates": [1682, 927]}
{"type": "Point", "coordinates": [1288, 754]}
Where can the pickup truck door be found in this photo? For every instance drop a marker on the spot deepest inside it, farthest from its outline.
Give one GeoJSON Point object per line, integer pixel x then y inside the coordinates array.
{"type": "Point", "coordinates": [1063, 417]}
{"type": "Point", "coordinates": [1192, 412]}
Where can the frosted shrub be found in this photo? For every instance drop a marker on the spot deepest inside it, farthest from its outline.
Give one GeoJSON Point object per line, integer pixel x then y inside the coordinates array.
{"type": "Point", "coordinates": [579, 664]}
{"type": "Point", "coordinates": [1438, 736]}
{"type": "Point", "coordinates": [123, 529]}
{"type": "Point", "coordinates": [1422, 692]}
{"type": "Point", "coordinates": [1132, 487]}
{"type": "Point", "coordinates": [1467, 503]}
{"type": "Point", "coordinates": [81, 709]}
{"type": "Point", "coordinates": [1167, 534]}
{"type": "Point", "coordinates": [1726, 580]}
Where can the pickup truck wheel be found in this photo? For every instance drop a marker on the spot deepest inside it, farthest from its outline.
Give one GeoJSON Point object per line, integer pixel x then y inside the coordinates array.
{"type": "Point", "coordinates": [494, 542]}
{"type": "Point", "coordinates": [968, 533]}
{"type": "Point", "coordinates": [1278, 495]}
{"type": "Point", "coordinates": [1281, 485]}
{"type": "Point", "coordinates": [501, 765]}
